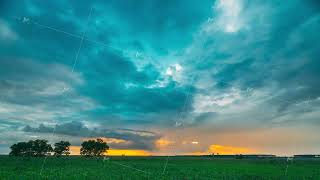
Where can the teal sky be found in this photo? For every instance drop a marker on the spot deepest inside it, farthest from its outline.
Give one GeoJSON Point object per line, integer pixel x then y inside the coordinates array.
{"type": "Point", "coordinates": [172, 70]}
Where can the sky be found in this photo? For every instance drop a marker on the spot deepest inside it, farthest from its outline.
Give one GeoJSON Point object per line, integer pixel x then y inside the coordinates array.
{"type": "Point", "coordinates": [162, 77]}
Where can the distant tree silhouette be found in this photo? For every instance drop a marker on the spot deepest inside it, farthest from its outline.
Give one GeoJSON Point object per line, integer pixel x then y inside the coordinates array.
{"type": "Point", "coordinates": [93, 147]}
{"type": "Point", "coordinates": [39, 147]}
{"type": "Point", "coordinates": [61, 148]}
{"type": "Point", "coordinates": [239, 156]}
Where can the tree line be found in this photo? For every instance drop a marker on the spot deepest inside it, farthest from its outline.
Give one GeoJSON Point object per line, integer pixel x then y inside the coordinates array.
{"type": "Point", "coordinates": [40, 147]}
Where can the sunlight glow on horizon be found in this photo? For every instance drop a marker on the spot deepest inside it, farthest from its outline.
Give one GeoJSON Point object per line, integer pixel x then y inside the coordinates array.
{"type": "Point", "coordinates": [75, 150]}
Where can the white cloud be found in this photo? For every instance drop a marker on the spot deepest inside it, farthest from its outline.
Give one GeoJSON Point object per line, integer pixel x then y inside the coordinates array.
{"type": "Point", "coordinates": [178, 67]}
{"type": "Point", "coordinates": [232, 101]}
{"type": "Point", "coordinates": [229, 18]}
{"type": "Point", "coordinates": [169, 71]}
{"type": "Point", "coordinates": [54, 88]}
{"type": "Point", "coordinates": [174, 70]}
{"type": "Point", "coordinates": [195, 142]}
{"type": "Point", "coordinates": [213, 102]}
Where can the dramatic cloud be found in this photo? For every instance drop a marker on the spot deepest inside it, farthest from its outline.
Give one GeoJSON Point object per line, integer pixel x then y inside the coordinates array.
{"type": "Point", "coordinates": [225, 65]}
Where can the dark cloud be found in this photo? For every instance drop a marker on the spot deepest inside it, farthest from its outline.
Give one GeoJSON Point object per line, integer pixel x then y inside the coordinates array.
{"type": "Point", "coordinates": [117, 84]}
{"type": "Point", "coordinates": [137, 139]}
{"type": "Point", "coordinates": [110, 77]}
{"type": "Point", "coordinates": [165, 25]}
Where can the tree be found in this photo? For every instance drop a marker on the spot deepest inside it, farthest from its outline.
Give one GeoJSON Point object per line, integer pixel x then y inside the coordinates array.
{"type": "Point", "coordinates": [93, 147]}
{"type": "Point", "coordinates": [61, 148]}
{"type": "Point", "coordinates": [239, 156]}
{"type": "Point", "coordinates": [87, 148]}
{"type": "Point", "coordinates": [21, 149]}
{"type": "Point", "coordinates": [39, 147]}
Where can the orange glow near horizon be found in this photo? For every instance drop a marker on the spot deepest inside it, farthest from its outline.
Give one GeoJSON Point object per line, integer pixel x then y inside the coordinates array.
{"type": "Point", "coordinates": [214, 148]}
{"type": "Point", "coordinates": [128, 152]}
{"type": "Point", "coordinates": [223, 150]}
{"type": "Point", "coordinates": [228, 150]}
{"type": "Point", "coordinates": [163, 143]}
{"type": "Point", "coordinates": [75, 150]}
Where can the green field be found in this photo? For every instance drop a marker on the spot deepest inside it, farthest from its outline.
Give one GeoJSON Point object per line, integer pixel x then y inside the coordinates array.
{"type": "Point", "coordinates": [152, 168]}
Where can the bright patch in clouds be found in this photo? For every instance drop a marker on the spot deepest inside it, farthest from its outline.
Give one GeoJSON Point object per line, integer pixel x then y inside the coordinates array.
{"type": "Point", "coordinates": [178, 67]}
{"type": "Point", "coordinates": [172, 70]}
{"type": "Point", "coordinates": [169, 71]}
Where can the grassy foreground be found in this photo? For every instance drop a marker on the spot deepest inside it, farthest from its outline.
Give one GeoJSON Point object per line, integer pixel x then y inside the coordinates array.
{"type": "Point", "coordinates": [152, 168]}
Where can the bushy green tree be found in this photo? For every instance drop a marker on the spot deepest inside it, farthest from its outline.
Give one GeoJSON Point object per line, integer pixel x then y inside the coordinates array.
{"type": "Point", "coordinates": [39, 147]}
{"type": "Point", "coordinates": [21, 149]}
{"type": "Point", "coordinates": [61, 148]}
{"type": "Point", "coordinates": [93, 147]}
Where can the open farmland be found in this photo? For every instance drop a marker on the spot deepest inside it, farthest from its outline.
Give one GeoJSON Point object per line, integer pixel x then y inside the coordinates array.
{"type": "Point", "coordinates": [75, 167]}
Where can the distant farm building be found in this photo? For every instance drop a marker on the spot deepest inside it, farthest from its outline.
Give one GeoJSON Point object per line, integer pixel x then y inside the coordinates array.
{"type": "Point", "coordinates": [306, 156]}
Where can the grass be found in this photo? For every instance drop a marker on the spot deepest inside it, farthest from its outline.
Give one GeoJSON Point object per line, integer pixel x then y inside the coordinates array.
{"type": "Point", "coordinates": [152, 168]}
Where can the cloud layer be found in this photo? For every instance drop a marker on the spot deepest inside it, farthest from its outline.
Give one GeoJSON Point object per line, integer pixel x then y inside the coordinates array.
{"type": "Point", "coordinates": [120, 138]}
{"type": "Point", "coordinates": [158, 66]}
